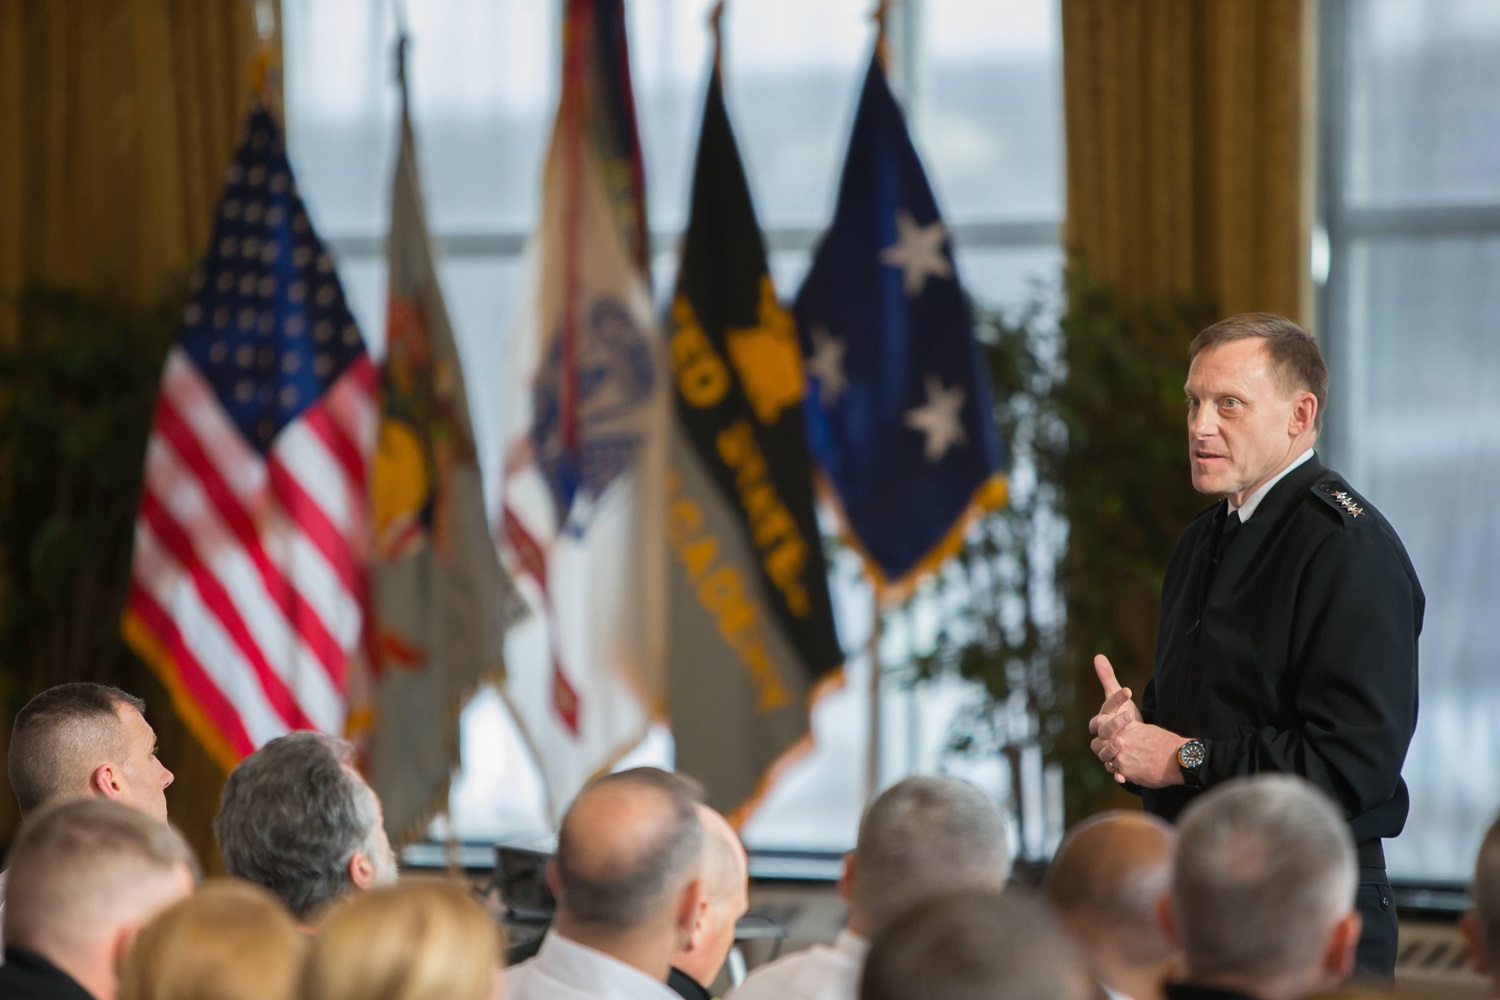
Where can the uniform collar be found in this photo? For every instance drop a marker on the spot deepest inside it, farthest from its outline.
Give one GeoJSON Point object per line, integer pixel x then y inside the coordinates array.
{"type": "Point", "coordinates": [1247, 509]}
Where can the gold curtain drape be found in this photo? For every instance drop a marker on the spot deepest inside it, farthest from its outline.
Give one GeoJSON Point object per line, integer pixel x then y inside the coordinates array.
{"type": "Point", "coordinates": [117, 124]}
{"type": "Point", "coordinates": [1189, 137]}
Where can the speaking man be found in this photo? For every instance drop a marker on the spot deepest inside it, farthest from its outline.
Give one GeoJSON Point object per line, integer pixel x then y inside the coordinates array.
{"type": "Point", "coordinates": [1289, 619]}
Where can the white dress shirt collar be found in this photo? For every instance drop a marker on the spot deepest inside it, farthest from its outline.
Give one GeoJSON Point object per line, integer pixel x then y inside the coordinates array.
{"type": "Point", "coordinates": [1247, 508]}
{"type": "Point", "coordinates": [564, 968]}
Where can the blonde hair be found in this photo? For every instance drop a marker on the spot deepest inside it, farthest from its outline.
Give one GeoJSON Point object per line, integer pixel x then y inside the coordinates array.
{"type": "Point", "coordinates": [230, 941]}
{"type": "Point", "coordinates": [422, 939]}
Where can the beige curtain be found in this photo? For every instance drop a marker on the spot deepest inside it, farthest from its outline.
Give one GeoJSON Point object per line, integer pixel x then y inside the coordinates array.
{"type": "Point", "coordinates": [117, 122]}
{"type": "Point", "coordinates": [1189, 135]}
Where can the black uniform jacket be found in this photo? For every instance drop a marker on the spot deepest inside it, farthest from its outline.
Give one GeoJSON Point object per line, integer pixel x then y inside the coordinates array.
{"type": "Point", "coordinates": [28, 976]}
{"type": "Point", "coordinates": [1294, 649]}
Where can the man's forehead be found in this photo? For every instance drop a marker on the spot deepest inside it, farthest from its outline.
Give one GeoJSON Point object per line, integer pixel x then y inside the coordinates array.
{"type": "Point", "coordinates": [1237, 364]}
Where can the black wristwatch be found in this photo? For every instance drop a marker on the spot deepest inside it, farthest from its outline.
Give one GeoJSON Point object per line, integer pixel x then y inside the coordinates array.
{"type": "Point", "coordinates": [1190, 758]}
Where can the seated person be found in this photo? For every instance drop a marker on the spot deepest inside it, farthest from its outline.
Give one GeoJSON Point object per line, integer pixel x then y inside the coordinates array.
{"type": "Point", "coordinates": [84, 876]}
{"type": "Point", "coordinates": [627, 877]}
{"type": "Point", "coordinates": [1262, 900]}
{"type": "Point", "coordinates": [726, 897]}
{"type": "Point", "coordinates": [976, 946]}
{"type": "Point", "coordinates": [424, 939]}
{"type": "Point", "coordinates": [230, 940]}
{"type": "Point", "coordinates": [297, 818]}
{"type": "Point", "coordinates": [1106, 882]}
{"type": "Point", "coordinates": [922, 837]}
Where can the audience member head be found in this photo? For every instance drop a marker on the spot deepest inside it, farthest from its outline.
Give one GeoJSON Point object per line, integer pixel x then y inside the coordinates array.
{"type": "Point", "coordinates": [423, 939]}
{"type": "Point", "coordinates": [298, 819]}
{"type": "Point", "coordinates": [725, 872]}
{"type": "Point", "coordinates": [976, 946]}
{"type": "Point", "coordinates": [230, 940]}
{"type": "Point", "coordinates": [1107, 881]}
{"type": "Point", "coordinates": [1481, 925]}
{"type": "Point", "coordinates": [84, 876]}
{"type": "Point", "coordinates": [1263, 887]}
{"type": "Point", "coordinates": [78, 740]}
{"type": "Point", "coordinates": [626, 874]}
{"type": "Point", "coordinates": [921, 837]}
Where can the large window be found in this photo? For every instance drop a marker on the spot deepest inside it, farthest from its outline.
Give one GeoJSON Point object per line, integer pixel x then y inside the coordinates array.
{"type": "Point", "coordinates": [1411, 200]}
{"type": "Point", "coordinates": [982, 83]}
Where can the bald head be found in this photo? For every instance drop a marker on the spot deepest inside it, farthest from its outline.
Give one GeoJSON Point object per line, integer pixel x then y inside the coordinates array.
{"type": "Point", "coordinates": [629, 844]}
{"type": "Point", "coordinates": [725, 871]}
{"type": "Point", "coordinates": [1107, 879]}
{"type": "Point", "coordinates": [725, 868]}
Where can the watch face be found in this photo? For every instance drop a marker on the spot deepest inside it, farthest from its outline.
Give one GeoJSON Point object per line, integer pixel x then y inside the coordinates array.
{"type": "Point", "coordinates": [1191, 754]}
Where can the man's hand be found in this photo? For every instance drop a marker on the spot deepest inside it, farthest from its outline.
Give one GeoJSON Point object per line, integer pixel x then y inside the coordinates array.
{"type": "Point", "coordinates": [1116, 699]}
{"type": "Point", "coordinates": [1145, 755]}
{"type": "Point", "coordinates": [1130, 749]}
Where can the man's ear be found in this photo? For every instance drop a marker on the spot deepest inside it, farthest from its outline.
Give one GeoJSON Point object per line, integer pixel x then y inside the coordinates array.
{"type": "Point", "coordinates": [1338, 957]}
{"type": "Point", "coordinates": [687, 906]}
{"type": "Point", "coordinates": [1468, 925]}
{"type": "Point", "coordinates": [1304, 414]}
{"type": "Point", "coordinates": [104, 783]}
{"type": "Point", "coordinates": [1167, 922]}
{"type": "Point", "coordinates": [700, 925]}
{"type": "Point", "coordinates": [846, 878]}
{"type": "Point", "coordinates": [361, 871]}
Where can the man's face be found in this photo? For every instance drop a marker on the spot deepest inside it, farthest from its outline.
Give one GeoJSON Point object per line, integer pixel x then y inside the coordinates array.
{"type": "Point", "coordinates": [1242, 426]}
{"type": "Point", "coordinates": [143, 779]}
{"type": "Point", "coordinates": [383, 859]}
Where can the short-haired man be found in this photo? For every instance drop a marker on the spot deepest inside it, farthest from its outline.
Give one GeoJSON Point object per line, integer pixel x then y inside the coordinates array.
{"type": "Point", "coordinates": [79, 740]}
{"type": "Point", "coordinates": [297, 818]}
{"type": "Point", "coordinates": [920, 838]}
{"type": "Point", "coordinates": [1481, 925]}
{"type": "Point", "coordinates": [1262, 900]}
{"type": "Point", "coordinates": [725, 872]}
{"type": "Point", "coordinates": [1106, 881]}
{"type": "Point", "coordinates": [1289, 616]}
{"type": "Point", "coordinates": [976, 946]}
{"type": "Point", "coordinates": [85, 875]}
{"type": "Point", "coordinates": [627, 880]}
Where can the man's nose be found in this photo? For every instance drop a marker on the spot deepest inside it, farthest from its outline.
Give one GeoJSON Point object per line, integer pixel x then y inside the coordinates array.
{"type": "Point", "coordinates": [167, 776]}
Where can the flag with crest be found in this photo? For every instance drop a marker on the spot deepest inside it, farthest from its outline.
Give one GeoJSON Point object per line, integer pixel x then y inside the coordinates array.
{"type": "Point", "coordinates": [249, 588]}
{"type": "Point", "coordinates": [584, 465]}
{"type": "Point", "coordinates": [442, 601]}
{"type": "Point", "coordinates": [752, 632]}
{"type": "Point", "coordinates": [899, 407]}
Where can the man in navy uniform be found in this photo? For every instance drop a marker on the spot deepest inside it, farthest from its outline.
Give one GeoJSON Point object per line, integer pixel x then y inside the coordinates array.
{"type": "Point", "coordinates": [1289, 618]}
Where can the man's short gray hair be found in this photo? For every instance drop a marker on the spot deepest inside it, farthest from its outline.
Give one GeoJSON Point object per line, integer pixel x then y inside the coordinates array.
{"type": "Point", "coordinates": [976, 946]}
{"type": "Point", "coordinates": [79, 866]}
{"type": "Point", "coordinates": [292, 816]}
{"type": "Point", "coordinates": [60, 736]}
{"type": "Point", "coordinates": [925, 836]}
{"type": "Point", "coordinates": [619, 886]}
{"type": "Point", "coordinates": [1486, 893]}
{"type": "Point", "coordinates": [1265, 868]}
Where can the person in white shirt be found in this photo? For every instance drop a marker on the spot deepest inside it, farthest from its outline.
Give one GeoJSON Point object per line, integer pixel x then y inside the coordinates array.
{"type": "Point", "coordinates": [921, 838]}
{"type": "Point", "coordinates": [1106, 881]}
{"type": "Point", "coordinates": [977, 946]}
{"type": "Point", "coordinates": [627, 881]}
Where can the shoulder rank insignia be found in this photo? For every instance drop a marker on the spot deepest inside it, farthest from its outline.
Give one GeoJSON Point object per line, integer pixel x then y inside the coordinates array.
{"type": "Point", "coordinates": [1343, 498]}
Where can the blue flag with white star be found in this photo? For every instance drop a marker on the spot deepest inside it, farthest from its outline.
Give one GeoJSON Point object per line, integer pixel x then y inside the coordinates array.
{"type": "Point", "coordinates": [899, 409]}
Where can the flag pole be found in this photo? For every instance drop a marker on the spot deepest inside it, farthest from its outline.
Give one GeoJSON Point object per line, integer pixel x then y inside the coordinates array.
{"type": "Point", "coordinates": [872, 760]}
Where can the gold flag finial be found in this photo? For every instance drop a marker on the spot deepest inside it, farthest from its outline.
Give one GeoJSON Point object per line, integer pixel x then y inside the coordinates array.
{"type": "Point", "coordinates": [878, 15]}
{"type": "Point", "coordinates": [716, 25]}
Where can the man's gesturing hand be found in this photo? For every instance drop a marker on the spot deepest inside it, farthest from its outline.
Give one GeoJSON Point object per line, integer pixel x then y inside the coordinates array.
{"type": "Point", "coordinates": [1132, 750]}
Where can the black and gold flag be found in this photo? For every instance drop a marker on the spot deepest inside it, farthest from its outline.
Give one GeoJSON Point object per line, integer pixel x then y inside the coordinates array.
{"type": "Point", "coordinates": [752, 632]}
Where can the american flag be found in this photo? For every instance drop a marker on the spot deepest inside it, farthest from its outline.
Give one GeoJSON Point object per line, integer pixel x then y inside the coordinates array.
{"type": "Point", "coordinates": [249, 586]}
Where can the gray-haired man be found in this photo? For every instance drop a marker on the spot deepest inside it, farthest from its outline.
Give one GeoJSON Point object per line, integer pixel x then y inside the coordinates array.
{"type": "Point", "coordinates": [1262, 898]}
{"type": "Point", "coordinates": [297, 818]}
{"type": "Point", "coordinates": [921, 838]}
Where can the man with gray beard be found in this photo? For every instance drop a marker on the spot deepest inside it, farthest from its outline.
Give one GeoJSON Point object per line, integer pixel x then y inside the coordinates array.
{"type": "Point", "coordinates": [297, 818]}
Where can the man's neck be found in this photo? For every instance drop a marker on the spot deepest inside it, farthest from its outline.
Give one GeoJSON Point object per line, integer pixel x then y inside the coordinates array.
{"type": "Point", "coordinates": [1139, 982]}
{"type": "Point", "coordinates": [641, 949]}
{"type": "Point", "coordinates": [1259, 987]}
